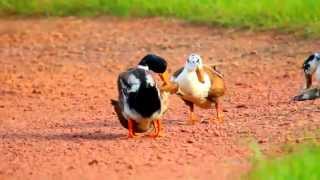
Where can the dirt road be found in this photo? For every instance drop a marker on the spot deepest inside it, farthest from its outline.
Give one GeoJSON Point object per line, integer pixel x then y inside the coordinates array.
{"type": "Point", "coordinates": [57, 77]}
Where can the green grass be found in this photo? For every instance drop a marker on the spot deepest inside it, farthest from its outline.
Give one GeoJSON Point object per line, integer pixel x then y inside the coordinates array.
{"type": "Point", "coordinates": [293, 15]}
{"type": "Point", "coordinates": [302, 164]}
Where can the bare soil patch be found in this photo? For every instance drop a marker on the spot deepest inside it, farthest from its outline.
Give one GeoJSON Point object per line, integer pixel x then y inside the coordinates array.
{"type": "Point", "coordinates": [57, 77]}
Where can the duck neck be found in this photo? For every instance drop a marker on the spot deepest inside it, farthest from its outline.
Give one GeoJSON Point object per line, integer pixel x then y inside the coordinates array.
{"type": "Point", "coordinates": [146, 68]}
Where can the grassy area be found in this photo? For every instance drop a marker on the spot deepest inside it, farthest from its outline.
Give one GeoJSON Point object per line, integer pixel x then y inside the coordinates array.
{"type": "Point", "coordinates": [301, 15]}
{"type": "Point", "coordinates": [302, 164]}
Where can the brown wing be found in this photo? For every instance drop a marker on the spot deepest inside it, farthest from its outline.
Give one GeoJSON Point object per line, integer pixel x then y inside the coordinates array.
{"type": "Point", "coordinates": [218, 86]}
{"type": "Point", "coordinates": [178, 72]}
{"type": "Point", "coordinates": [117, 109]}
{"type": "Point", "coordinates": [214, 68]}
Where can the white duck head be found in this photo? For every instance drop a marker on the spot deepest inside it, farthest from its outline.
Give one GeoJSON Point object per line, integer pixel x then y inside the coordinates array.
{"type": "Point", "coordinates": [194, 64]}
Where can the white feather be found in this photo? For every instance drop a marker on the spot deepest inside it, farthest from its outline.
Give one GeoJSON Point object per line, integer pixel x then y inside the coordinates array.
{"type": "Point", "coordinates": [143, 67]}
{"type": "Point", "coordinates": [314, 63]}
{"type": "Point", "coordinates": [318, 73]}
{"type": "Point", "coordinates": [134, 82]}
{"type": "Point", "coordinates": [189, 84]}
{"type": "Point", "coordinates": [150, 80]}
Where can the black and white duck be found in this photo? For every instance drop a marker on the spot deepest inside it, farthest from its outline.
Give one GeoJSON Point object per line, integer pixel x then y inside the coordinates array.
{"type": "Point", "coordinates": [308, 94]}
{"type": "Point", "coordinates": [310, 67]}
{"type": "Point", "coordinates": [141, 101]}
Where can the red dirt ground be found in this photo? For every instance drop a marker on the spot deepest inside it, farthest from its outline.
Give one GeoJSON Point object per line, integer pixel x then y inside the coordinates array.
{"type": "Point", "coordinates": [57, 77]}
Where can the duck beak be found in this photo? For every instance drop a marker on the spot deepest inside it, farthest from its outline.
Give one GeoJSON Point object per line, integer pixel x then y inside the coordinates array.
{"type": "Point", "coordinates": [200, 74]}
{"type": "Point", "coordinates": [308, 80]}
{"type": "Point", "coordinates": [165, 77]}
{"type": "Point", "coordinates": [167, 85]}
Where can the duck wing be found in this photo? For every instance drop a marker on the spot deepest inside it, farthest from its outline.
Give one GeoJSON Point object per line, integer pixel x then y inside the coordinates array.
{"type": "Point", "coordinates": [217, 83]}
{"type": "Point", "coordinates": [178, 72]}
{"type": "Point", "coordinates": [117, 109]}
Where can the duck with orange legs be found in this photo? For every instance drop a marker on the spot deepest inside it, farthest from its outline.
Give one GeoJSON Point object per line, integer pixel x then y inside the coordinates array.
{"type": "Point", "coordinates": [141, 102]}
{"type": "Point", "coordinates": [201, 85]}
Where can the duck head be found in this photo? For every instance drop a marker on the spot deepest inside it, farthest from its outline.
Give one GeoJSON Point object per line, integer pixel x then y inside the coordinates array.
{"type": "Point", "coordinates": [194, 64]}
{"type": "Point", "coordinates": [309, 67]}
{"type": "Point", "coordinates": [156, 64]}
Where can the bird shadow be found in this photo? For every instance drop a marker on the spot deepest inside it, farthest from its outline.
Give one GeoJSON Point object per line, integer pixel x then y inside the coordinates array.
{"type": "Point", "coordinates": [85, 131]}
{"type": "Point", "coordinates": [92, 124]}
{"type": "Point", "coordinates": [62, 136]}
{"type": "Point", "coordinates": [173, 122]}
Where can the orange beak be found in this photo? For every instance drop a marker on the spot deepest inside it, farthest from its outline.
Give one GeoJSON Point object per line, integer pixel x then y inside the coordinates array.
{"type": "Point", "coordinates": [200, 74]}
{"type": "Point", "coordinates": [168, 86]}
{"type": "Point", "coordinates": [308, 80]}
{"type": "Point", "coordinates": [165, 77]}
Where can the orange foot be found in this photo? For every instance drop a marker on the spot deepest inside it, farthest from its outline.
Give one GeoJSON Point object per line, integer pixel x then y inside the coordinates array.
{"type": "Point", "coordinates": [155, 135]}
{"type": "Point", "coordinates": [193, 119]}
{"type": "Point", "coordinates": [131, 133]}
{"type": "Point", "coordinates": [219, 111]}
{"type": "Point", "coordinates": [130, 136]}
{"type": "Point", "coordinates": [157, 129]}
{"type": "Point", "coordinates": [218, 119]}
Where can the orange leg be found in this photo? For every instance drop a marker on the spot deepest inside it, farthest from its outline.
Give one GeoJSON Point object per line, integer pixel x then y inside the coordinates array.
{"type": "Point", "coordinates": [193, 118]}
{"type": "Point", "coordinates": [130, 129]}
{"type": "Point", "coordinates": [159, 133]}
{"type": "Point", "coordinates": [157, 128]}
{"type": "Point", "coordinates": [219, 111]}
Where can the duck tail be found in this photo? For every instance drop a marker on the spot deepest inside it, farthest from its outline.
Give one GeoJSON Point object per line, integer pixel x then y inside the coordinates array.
{"type": "Point", "coordinates": [117, 109]}
{"type": "Point", "coordinates": [216, 71]}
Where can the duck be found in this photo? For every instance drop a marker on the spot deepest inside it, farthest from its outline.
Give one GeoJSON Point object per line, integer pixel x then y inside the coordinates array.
{"type": "Point", "coordinates": [308, 94]}
{"type": "Point", "coordinates": [310, 67]}
{"type": "Point", "coordinates": [141, 102]}
{"type": "Point", "coordinates": [201, 85]}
